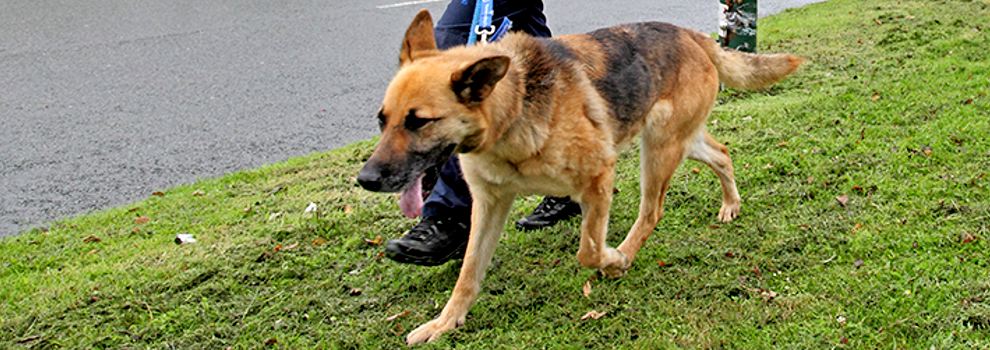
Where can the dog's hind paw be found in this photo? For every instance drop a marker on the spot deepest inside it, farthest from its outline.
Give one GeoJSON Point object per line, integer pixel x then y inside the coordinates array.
{"type": "Point", "coordinates": [431, 331]}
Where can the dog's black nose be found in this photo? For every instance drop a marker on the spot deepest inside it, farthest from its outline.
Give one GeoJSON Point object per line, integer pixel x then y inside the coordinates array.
{"type": "Point", "coordinates": [370, 179]}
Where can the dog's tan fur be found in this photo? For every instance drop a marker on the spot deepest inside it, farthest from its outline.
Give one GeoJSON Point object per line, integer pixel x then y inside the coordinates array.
{"type": "Point", "coordinates": [550, 116]}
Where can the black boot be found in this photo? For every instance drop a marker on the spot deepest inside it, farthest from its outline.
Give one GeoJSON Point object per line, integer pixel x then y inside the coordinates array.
{"type": "Point", "coordinates": [549, 212]}
{"type": "Point", "coordinates": [433, 241]}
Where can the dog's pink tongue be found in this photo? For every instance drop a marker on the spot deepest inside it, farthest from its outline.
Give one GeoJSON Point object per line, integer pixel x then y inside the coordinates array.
{"type": "Point", "coordinates": [411, 200]}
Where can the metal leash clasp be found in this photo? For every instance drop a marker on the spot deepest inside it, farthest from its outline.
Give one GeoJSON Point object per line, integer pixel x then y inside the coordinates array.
{"type": "Point", "coordinates": [484, 33]}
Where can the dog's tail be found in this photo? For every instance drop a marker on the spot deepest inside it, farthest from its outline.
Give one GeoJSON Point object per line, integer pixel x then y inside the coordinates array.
{"type": "Point", "coordinates": [745, 70]}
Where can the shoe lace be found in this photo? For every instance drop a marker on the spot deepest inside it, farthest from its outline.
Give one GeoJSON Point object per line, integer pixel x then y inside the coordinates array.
{"type": "Point", "coordinates": [549, 205]}
{"type": "Point", "coordinates": [425, 229]}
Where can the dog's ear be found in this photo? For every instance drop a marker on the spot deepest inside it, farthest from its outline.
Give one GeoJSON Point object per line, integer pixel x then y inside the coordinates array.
{"type": "Point", "coordinates": [419, 38]}
{"type": "Point", "coordinates": [475, 82]}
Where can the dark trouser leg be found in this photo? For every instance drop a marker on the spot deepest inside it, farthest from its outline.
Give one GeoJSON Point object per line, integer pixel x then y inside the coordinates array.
{"type": "Point", "coordinates": [450, 196]}
{"type": "Point", "coordinates": [443, 229]}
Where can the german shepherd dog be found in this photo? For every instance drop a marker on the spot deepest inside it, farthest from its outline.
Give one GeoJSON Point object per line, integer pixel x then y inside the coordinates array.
{"type": "Point", "coordinates": [550, 116]}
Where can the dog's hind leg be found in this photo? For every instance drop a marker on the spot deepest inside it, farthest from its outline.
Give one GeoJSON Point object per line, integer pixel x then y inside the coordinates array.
{"type": "Point", "coordinates": [704, 148]}
{"type": "Point", "coordinates": [487, 220]}
{"type": "Point", "coordinates": [659, 158]}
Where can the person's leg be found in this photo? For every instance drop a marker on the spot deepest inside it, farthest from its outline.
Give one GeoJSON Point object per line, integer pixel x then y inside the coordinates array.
{"type": "Point", "coordinates": [551, 210]}
{"type": "Point", "coordinates": [442, 232]}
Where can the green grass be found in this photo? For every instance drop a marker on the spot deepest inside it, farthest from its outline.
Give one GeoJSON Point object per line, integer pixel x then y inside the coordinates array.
{"type": "Point", "coordinates": [891, 111]}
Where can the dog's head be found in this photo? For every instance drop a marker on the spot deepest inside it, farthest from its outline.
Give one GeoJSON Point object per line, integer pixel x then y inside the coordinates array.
{"type": "Point", "coordinates": [434, 106]}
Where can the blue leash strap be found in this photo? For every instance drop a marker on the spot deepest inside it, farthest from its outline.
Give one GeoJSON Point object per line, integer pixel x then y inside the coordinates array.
{"type": "Point", "coordinates": [502, 29]}
{"type": "Point", "coordinates": [481, 24]}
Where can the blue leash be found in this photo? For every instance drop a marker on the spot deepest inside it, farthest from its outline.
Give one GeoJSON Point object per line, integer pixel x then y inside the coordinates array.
{"type": "Point", "coordinates": [481, 24]}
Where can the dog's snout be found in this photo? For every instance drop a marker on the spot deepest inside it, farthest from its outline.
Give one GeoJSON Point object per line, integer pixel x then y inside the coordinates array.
{"type": "Point", "coordinates": [370, 178]}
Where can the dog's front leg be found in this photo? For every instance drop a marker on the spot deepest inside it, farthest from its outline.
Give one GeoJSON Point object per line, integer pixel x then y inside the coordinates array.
{"type": "Point", "coordinates": [594, 251]}
{"type": "Point", "coordinates": [487, 220]}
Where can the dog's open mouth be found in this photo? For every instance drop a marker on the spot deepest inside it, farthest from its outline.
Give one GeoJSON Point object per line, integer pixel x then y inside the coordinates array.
{"type": "Point", "coordinates": [411, 199]}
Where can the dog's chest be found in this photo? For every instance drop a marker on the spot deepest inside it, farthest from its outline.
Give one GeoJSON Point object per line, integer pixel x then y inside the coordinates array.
{"type": "Point", "coordinates": [515, 178]}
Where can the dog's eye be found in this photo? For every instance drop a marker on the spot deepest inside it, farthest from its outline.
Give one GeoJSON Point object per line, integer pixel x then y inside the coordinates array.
{"type": "Point", "coordinates": [381, 120]}
{"type": "Point", "coordinates": [414, 123]}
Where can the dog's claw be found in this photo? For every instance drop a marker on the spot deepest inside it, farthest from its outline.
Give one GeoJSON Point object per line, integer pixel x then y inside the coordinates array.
{"type": "Point", "coordinates": [430, 331]}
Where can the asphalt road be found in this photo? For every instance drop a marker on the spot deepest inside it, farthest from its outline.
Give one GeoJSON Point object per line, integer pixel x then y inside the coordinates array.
{"type": "Point", "coordinates": [104, 101]}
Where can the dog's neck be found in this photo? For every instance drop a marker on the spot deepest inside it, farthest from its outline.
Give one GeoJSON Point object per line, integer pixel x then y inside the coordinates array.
{"type": "Point", "coordinates": [520, 107]}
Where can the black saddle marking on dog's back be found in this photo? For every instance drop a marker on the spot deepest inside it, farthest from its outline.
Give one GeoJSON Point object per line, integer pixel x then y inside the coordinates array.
{"type": "Point", "coordinates": [636, 56]}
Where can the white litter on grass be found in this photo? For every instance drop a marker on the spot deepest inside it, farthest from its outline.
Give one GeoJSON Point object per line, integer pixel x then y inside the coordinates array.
{"type": "Point", "coordinates": [311, 208]}
{"type": "Point", "coordinates": [184, 238]}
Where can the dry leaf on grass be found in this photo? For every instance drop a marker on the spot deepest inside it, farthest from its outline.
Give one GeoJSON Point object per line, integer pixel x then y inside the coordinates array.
{"type": "Point", "coordinates": [318, 241]}
{"type": "Point", "coordinates": [92, 239]}
{"type": "Point", "coordinates": [397, 330]}
{"type": "Point", "coordinates": [375, 242]}
{"type": "Point", "coordinates": [768, 295]}
{"type": "Point", "coordinates": [586, 290]}
{"type": "Point", "coordinates": [968, 238]}
{"type": "Point", "coordinates": [141, 220]}
{"type": "Point", "coordinates": [158, 194]}
{"type": "Point", "coordinates": [198, 193]}
{"type": "Point", "coordinates": [843, 200]}
{"type": "Point", "coordinates": [593, 315]}
{"type": "Point", "coordinates": [857, 227]}
{"type": "Point", "coordinates": [398, 315]}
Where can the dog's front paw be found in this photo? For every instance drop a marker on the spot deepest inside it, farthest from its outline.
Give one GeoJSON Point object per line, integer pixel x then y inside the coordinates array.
{"type": "Point", "coordinates": [430, 331]}
{"type": "Point", "coordinates": [728, 212]}
{"type": "Point", "coordinates": [617, 266]}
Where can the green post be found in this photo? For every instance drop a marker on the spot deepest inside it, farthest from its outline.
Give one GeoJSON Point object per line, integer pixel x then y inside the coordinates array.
{"type": "Point", "coordinates": [737, 25]}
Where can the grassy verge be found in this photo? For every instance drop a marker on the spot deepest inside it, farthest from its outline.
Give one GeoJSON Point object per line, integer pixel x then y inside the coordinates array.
{"type": "Point", "coordinates": [890, 116]}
